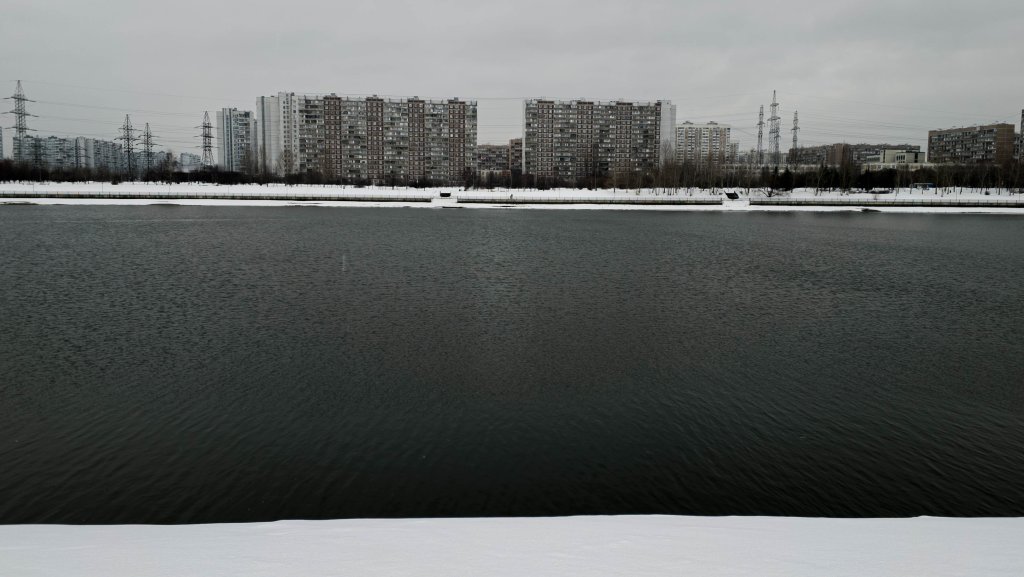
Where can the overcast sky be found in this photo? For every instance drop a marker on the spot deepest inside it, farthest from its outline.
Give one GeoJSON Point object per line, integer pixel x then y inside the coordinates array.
{"type": "Point", "coordinates": [867, 71]}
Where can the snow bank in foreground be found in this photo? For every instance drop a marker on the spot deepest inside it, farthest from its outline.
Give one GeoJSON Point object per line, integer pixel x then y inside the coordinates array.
{"type": "Point", "coordinates": [577, 546]}
{"type": "Point", "coordinates": [370, 196]}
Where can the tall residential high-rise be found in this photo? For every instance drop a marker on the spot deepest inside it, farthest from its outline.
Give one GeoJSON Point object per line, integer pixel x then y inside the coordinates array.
{"type": "Point", "coordinates": [703, 143]}
{"type": "Point", "coordinates": [384, 140]}
{"type": "Point", "coordinates": [237, 139]}
{"type": "Point", "coordinates": [269, 137]}
{"type": "Point", "coordinates": [278, 137]}
{"type": "Point", "coordinates": [1, 143]}
{"type": "Point", "coordinates": [991, 143]}
{"type": "Point", "coordinates": [582, 138]}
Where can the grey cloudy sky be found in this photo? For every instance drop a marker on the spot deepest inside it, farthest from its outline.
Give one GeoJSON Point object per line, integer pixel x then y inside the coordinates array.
{"type": "Point", "coordinates": [866, 71]}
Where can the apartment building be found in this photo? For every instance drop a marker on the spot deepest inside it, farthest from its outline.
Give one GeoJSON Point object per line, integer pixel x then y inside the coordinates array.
{"type": "Point", "coordinates": [492, 158]}
{"type": "Point", "coordinates": [991, 143]}
{"type": "Point", "coordinates": [515, 154]}
{"type": "Point", "coordinates": [2, 144]}
{"type": "Point", "coordinates": [370, 139]}
{"type": "Point", "coordinates": [703, 143]}
{"type": "Point", "coordinates": [384, 140]}
{"type": "Point", "coordinates": [99, 155]}
{"type": "Point", "coordinates": [237, 140]}
{"type": "Point", "coordinates": [583, 138]}
{"type": "Point", "coordinates": [58, 153]}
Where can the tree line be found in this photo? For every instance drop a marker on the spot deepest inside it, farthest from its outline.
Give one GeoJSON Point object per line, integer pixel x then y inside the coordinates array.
{"type": "Point", "coordinates": [670, 176]}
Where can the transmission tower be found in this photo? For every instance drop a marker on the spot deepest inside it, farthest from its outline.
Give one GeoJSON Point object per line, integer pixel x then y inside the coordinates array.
{"type": "Point", "coordinates": [760, 136]}
{"type": "Point", "coordinates": [129, 139]}
{"type": "Point", "coordinates": [796, 128]}
{"type": "Point", "coordinates": [774, 128]}
{"type": "Point", "coordinates": [207, 136]}
{"type": "Point", "coordinates": [147, 149]}
{"type": "Point", "coordinates": [21, 115]}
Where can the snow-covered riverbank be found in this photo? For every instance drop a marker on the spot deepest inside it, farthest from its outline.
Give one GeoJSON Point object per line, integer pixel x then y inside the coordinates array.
{"type": "Point", "coordinates": [576, 546]}
{"type": "Point", "coordinates": [933, 201]}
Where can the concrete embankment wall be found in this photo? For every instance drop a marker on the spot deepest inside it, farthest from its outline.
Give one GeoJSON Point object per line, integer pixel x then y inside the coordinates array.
{"type": "Point", "coordinates": [537, 199]}
{"type": "Point", "coordinates": [893, 202]}
{"type": "Point", "coordinates": [224, 196]}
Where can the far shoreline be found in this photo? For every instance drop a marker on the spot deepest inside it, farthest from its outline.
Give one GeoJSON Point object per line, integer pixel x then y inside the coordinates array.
{"type": "Point", "coordinates": [933, 201]}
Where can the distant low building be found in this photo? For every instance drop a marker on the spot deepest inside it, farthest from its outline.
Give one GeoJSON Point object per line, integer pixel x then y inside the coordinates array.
{"type": "Point", "coordinates": [899, 156]}
{"type": "Point", "coordinates": [988, 144]}
{"type": "Point", "coordinates": [862, 153]}
{"type": "Point", "coordinates": [824, 155]}
{"type": "Point", "coordinates": [188, 162]}
{"type": "Point", "coordinates": [842, 153]}
{"type": "Point", "coordinates": [898, 160]}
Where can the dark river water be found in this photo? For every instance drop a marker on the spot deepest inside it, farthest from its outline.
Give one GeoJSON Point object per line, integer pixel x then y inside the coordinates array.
{"type": "Point", "coordinates": [207, 364]}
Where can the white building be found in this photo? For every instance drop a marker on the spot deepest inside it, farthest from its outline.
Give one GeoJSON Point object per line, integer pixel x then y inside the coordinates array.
{"type": "Point", "coordinates": [237, 137]}
{"type": "Point", "coordinates": [703, 143]}
{"type": "Point", "coordinates": [277, 133]}
{"type": "Point", "coordinates": [899, 159]}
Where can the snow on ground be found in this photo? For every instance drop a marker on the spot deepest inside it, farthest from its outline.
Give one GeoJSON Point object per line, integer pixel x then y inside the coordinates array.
{"type": "Point", "coordinates": [570, 546]}
{"type": "Point", "coordinates": [370, 196]}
